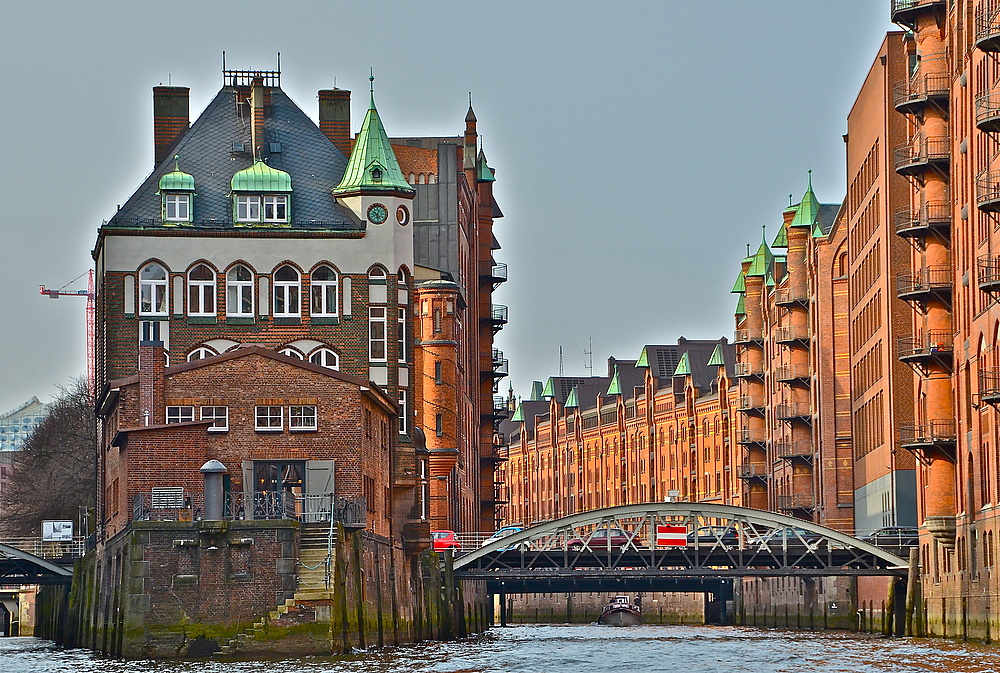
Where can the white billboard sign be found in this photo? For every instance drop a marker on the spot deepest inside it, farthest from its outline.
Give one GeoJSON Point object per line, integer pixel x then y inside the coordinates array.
{"type": "Point", "coordinates": [57, 531]}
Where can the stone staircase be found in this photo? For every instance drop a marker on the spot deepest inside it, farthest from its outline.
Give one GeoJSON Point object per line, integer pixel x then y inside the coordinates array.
{"type": "Point", "coordinates": [311, 586]}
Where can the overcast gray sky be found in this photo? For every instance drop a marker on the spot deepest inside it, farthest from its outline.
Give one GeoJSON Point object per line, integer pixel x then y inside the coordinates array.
{"type": "Point", "coordinates": [638, 145]}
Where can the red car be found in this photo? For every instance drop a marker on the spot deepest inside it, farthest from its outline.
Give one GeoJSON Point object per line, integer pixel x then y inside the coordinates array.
{"type": "Point", "coordinates": [599, 539]}
{"type": "Point", "coordinates": [444, 539]}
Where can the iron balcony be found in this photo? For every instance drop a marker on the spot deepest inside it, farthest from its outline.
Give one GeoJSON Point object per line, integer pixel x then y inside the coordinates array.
{"type": "Point", "coordinates": [926, 347]}
{"type": "Point", "coordinates": [914, 94]}
{"type": "Point", "coordinates": [925, 283]}
{"type": "Point", "coordinates": [499, 364]}
{"type": "Point", "coordinates": [750, 404]}
{"type": "Point", "coordinates": [794, 451]}
{"type": "Point", "coordinates": [752, 471]}
{"type": "Point", "coordinates": [989, 386]}
{"type": "Point", "coordinates": [905, 12]}
{"type": "Point", "coordinates": [937, 434]}
{"type": "Point", "coordinates": [788, 296]}
{"type": "Point", "coordinates": [988, 112]}
{"type": "Point", "coordinates": [988, 191]}
{"type": "Point", "coordinates": [792, 373]}
{"type": "Point", "coordinates": [928, 218]}
{"type": "Point", "coordinates": [749, 336]}
{"type": "Point", "coordinates": [988, 26]}
{"type": "Point", "coordinates": [497, 317]}
{"type": "Point", "coordinates": [748, 436]}
{"type": "Point", "coordinates": [988, 273]}
{"type": "Point", "coordinates": [494, 273]}
{"type": "Point", "coordinates": [920, 154]}
{"type": "Point", "coordinates": [796, 501]}
{"type": "Point", "coordinates": [793, 411]}
{"type": "Point", "coordinates": [744, 370]}
{"type": "Point", "coordinates": [791, 334]}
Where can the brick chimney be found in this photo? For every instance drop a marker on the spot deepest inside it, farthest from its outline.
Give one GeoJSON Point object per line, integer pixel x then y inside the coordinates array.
{"type": "Point", "coordinates": [335, 117]}
{"type": "Point", "coordinates": [171, 118]}
{"type": "Point", "coordinates": [152, 362]}
{"type": "Point", "coordinates": [260, 98]}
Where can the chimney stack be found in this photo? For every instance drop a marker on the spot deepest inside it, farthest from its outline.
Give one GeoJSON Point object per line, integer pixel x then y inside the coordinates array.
{"type": "Point", "coordinates": [171, 118]}
{"type": "Point", "coordinates": [152, 363]}
{"type": "Point", "coordinates": [335, 117]}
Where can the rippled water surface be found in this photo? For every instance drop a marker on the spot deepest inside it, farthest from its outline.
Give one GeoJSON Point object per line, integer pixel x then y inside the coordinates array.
{"type": "Point", "coordinates": [573, 649]}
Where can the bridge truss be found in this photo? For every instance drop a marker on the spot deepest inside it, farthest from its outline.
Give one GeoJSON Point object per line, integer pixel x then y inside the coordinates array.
{"type": "Point", "coordinates": [21, 567]}
{"type": "Point", "coordinates": [617, 548]}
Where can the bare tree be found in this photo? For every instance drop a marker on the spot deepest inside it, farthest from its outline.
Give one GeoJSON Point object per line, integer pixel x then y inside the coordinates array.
{"type": "Point", "coordinates": [55, 472]}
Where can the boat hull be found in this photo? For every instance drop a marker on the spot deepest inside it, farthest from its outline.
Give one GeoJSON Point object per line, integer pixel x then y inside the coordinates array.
{"type": "Point", "coordinates": [621, 616]}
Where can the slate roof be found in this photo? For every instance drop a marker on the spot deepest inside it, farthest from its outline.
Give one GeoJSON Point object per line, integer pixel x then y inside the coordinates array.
{"type": "Point", "coordinates": [559, 387]}
{"type": "Point", "coordinates": [206, 152]}
{"type": "Point", "coordinates": [663, 360]}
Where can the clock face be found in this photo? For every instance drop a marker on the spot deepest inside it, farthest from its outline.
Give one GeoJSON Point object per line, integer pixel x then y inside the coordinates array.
{"type": "Point", "coordinates": [377, 213]}
{"type": "Point", "coordinates": [403, 215]}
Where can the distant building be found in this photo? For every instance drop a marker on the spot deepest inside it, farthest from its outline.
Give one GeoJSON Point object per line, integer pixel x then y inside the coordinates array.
{"type": "Point", "coordinates": [17, 424]}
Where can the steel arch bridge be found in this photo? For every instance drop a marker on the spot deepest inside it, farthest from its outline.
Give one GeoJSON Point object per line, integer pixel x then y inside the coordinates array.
{"type": "Point", "coordinates": [21, 567]}
{"type": "Point", "coordinates": [616, 549]}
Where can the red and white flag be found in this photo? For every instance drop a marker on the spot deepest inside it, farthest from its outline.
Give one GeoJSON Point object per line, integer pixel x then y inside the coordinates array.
{"type": "Point", "coordinates": [671, 536]}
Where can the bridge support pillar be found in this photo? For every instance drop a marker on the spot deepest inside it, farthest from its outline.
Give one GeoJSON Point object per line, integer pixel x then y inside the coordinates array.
{"type": "Point", "coordinates": [914, 615]}
{"type": "Point", "coordinates": [503, 609]}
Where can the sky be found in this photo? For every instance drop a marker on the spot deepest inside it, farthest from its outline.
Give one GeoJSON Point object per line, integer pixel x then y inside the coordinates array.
{"type": "Point", "coordinates": [638, 146]}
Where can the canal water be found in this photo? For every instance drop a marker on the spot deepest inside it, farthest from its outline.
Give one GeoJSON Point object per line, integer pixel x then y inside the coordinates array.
{"type": "Point", "coordinates": [574, 649]}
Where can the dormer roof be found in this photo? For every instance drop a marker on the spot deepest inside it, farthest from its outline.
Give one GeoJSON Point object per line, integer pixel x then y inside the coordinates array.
{"type": "Point", "coordinates": [261, 178]}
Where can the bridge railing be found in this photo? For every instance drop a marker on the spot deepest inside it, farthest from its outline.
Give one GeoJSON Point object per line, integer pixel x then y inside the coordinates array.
{"type": "Point", "coordinates": [48, 550]}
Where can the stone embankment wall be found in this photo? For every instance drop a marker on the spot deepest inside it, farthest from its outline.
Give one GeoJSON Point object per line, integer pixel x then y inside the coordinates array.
{"type": "Point", "coordinates": [195, 589]}
{"type": "Point", "coordinates": [584, 608]}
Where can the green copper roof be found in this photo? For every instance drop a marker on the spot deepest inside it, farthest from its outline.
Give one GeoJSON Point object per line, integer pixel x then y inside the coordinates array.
{"type": "Point", "coordinates": [808, 209]}
{"type": "Point", "coordinates": [818, 231]}
{"type": "Point", "coordinates": [518, 416]}
{"type": "Point", "coordinates": [536, 392]}
{"type": "Point", "coordinates": [683, 366]}
{"type": "Point", "coordinates": [769, 281]}
{"type": "Point", "coordinates": [717, 359]}
{"type": "Point", "coordinates": [643, 360]}
{"type": "Point", "coordinates": [550, 388]}
{"type": "Point", "coordinates": [573, 401]}
{"type": "Point", "coordinates": [483, 172]}
{"type": "Point", "coordinates": [741, 308]}
{"type": "Point", "coordinates": [616, 385]}
{"type": "Point", "coordinates": [261, 178]}
{"type": "Point", "coordinates": [372, 167]}
{"type": "Point", "coordinates": [177, 180]}
{"type": "Point", "coordinates": [740, 286]}
{"type": "Point", "coordinates": [761, 262]}
{"type": "Point", "coordinates": [781, 240]}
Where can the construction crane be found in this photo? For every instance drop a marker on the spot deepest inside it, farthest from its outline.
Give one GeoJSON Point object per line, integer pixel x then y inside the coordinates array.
{"type": "Point", "coordinates": [89, 294]}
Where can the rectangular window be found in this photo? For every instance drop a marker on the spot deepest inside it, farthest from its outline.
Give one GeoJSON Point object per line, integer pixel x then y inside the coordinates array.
{"type": "Point", "coordinates": [219, 416]}
{"type": "Point", "coordinates": [302, 418]}
{"type": "Point", "coordinates": [248, 208]}
{"type": "Point", "coordinates": [177, 207]}
{"type": "Point", "coordinates": [376, 334]}
{"type": "Point", "coordinates": [268, 418]}
{"type": "Point", "coordinates": [402, 334]}
{"type": "Point", "coordinates": [402, 412]}
{"type": "Point", "coordinates": [275, 209]}
{"type": "Point", "coordinates": [180, 414]}
{"type": "Point", "coordinates": [438, 424]}
{"type": "Point", "coordinates": [437, 373]}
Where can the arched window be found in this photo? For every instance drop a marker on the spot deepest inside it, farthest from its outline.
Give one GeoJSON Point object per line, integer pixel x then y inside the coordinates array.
{"type": "Point", "coordinates": [152, 290]}
{"type": "Point", "coordinates": [325, 357]}
{"type": "Point", "coordinates": [239, 291]}
{"type": "Point", "coordinates": [201, 291]}
{"type": "Point", "coordinates": [377, 273]}
{"type": "Point", "coordinates": [200, 353]}
{"type": "Point", "coordinates": [292, 353]}
{"type": "Point", "coordinates": [286, 292]}
{"type": "Point", "coordinates": [323, 290]}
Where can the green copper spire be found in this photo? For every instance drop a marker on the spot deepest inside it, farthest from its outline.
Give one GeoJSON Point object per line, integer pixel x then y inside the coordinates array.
{"type": "Point", "coordinates": [518, 416]}
{"type": "Point", "coordinates": [761, 263]}
{"type": "Point", "coordinates": [808, 209]}
{"type": "Point", "coordinates": [717, 359]}
{"type": "Point", "coordinates": [683, 366]}
{"type": "Point", "coordinates": [573, 401]}
{"type": "Point", "coordinates": [643, 360]}
{"type": "Point", "coordinates": [483, 172]}
{"type": "Point", "coordinates": [769, 281]}
{"type": "Point", "coordinates": [741, 284]}
{"type": "Point", "coordinates": [536, 392]}
{"type": "Point", "coordinates": [177, 180]}
{"type": "Point", "coordinates": [372, 168]}
{"type": "Point", "coordinates": [261, 178]}
{"type": "Point", "coordinates": [616, 385]}
{"type": "Point", "coordinates": [550, 388]}
{"type": "Point", "coordinates": [781, 240]}
{"type": "Point", "coordinates": [741, 306]}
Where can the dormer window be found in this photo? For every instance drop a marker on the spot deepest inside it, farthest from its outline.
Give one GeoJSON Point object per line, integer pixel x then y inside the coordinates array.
{"type": "Point", "coordinates": [248, 208]}
{"type": "Point", "coordinates": [276, 208]}
{"type": "Point", "coordinates": [176, 189]}
{"type": "Point", "coordinates": [260, 194]}
{"type": "Point", "coordinates": [177, 207]}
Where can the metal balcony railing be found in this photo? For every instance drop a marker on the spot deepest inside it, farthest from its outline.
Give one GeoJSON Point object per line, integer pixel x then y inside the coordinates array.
{"type": "Point", "coordinates": [911, 222]}
{"type": "Point", "coordinates": [749, 336]}
{"type": "Point", "coordinates": [752, 471]}
{"type": "Point", "coordinates": [988, 191]}
{"type": "Point", "coordinates": [914, 157]}
{"type": "Point", "coordinates": [904, 12]}
{"type": "Point", "coordinates": [500, 363]}
{"type": "Point", "coordinates": [261, 505]}
{"type": "Point", "coordinates": [790, 411]}
{"type": "Point", "coordinates": [791, 334]}
{"type": "Point", "coordinates": [796, 501]}
{"type": "Point", "coordinates": [923, 346]}
{"type": "Point", "coordinates": [988, 273]}
{"type": "Point", "coordinates": [788, 296]}
{"type": "Point", "coordinates": [913, 94]}
{"type": "Point", "coordinates": [794, 450]}
{"type": "Point", "coordinates": [988, 26]}
{"type": "Point", "coordinates": [938, 433]}
{"type": "Point", "coordinates": [749, 436]}
{"type": "Point", "coordinates": [793, 372]}
{"type": "Point", "coordinates": [989, 386]}
{"type": "Point", "coordinates": [744, 370]}
{"type": "Point", "coordinates": [750, 403]}
{"type": "Point", "coordinates": [988, 112]}
{"type": "Point", "coordinates": [498, 314]}
{"type": "Point", "coordinates": [924, 283]}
